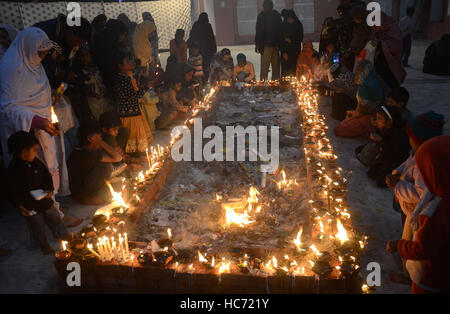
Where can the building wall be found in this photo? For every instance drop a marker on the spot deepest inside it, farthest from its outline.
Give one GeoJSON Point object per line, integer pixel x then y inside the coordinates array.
{"type": "Point", "coordinates": [169, 15]}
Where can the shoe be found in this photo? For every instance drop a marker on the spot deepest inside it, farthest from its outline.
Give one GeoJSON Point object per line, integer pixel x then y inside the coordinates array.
{"type": "Point", "coordinates": [71, 222]}
{"type": "Point", "coordinates": [47, 249]}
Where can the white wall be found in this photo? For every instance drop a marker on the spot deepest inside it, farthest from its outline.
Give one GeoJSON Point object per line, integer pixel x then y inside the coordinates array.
{"type": "Point", "coordinates": [209, 8]}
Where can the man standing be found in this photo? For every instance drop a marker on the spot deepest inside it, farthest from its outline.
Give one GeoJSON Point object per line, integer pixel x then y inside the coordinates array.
{"type": "Point", "coordinates": [407, 25]}
{"type": "Point", "coordinates": [267, 40]}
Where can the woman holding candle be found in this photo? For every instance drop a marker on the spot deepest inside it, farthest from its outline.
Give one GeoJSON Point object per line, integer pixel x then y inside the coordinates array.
{"type": "Point", "coordinates": [26, 101]}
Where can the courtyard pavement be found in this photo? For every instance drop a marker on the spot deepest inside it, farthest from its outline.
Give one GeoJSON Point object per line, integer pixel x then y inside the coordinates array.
{"type": "Point", "coordinates": [26, 270]}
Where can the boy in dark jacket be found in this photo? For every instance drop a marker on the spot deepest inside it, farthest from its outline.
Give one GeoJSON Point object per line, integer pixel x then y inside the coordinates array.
{"type": "Point", "coordinates": [30, 189]}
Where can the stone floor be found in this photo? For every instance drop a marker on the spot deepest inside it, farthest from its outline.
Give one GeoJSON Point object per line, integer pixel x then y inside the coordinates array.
{"type": "Point", "coordinates": [26, 270]}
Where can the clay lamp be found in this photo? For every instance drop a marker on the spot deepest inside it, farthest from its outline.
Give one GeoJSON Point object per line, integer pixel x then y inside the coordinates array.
{"type": "Point", "coordinates": [119, 212]}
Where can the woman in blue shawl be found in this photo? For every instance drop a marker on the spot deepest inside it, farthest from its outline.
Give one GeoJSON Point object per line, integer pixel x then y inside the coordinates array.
{"type": "Point", "coordinates": [370, 96]}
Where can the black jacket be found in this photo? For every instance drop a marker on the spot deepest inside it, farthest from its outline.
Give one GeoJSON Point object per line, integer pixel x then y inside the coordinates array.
{"type": "Point", "coordinates": [268, 30]}
{"type": "Point", "coordinates": [24, 177]}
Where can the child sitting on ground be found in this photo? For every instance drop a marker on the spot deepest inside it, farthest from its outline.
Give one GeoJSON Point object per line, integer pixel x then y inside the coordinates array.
{"type": "Point", "coordinates": [168, 111]}
{"type": "Point", "coordinates": [399, 98]}
{"type": "Point", "coordinates": [90, 165]}
{"type": "Point", "coordinates": [392, 144]}
{"type": "Point", "coordinates": [27, 174]}
{"type": "Point", "coordinates": [316, 70]}
{"type": "Point", "coordinates": [244, 70]}
{"type": "Point", "coordinates": [116, 136]}
{"type": "Point", "coordinates": [174, 94]}
{"type": "Point", "coordinates": [196, 61]}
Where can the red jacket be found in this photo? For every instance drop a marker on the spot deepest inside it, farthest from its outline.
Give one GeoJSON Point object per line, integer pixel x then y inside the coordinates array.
{"type": "Point", "coordinates": [432, 245]}
{"type": "Point", "coordinates": [432, 239]}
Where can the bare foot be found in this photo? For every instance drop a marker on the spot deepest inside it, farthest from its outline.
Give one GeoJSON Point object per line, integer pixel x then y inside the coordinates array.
{"type": "Point", "coordinates": [71, 222]}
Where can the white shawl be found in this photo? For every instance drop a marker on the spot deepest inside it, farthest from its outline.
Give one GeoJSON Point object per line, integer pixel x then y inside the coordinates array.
{"type": "Point", "coordinates": [24, 93]}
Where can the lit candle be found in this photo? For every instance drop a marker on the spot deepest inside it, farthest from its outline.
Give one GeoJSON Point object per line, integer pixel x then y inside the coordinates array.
{"type": "Point", "coordinates": [89, 246]}
{"type": "Point", "coordinates": [126, 243]}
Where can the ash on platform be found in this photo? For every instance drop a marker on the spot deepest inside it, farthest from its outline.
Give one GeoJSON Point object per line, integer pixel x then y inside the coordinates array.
{"type": "Point", "coordinates": [189, 204]}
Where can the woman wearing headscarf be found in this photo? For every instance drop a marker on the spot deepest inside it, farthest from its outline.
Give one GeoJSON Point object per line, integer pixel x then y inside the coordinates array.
{"type": "Point", "coordinates": [428, 253]}
{"type": "Point", "coordinates": [154, 41]}
{"type": "Point", "coordinates": [202, 34]}
{"type": "Point", "coordinates": [370, 96]}
{"type": "Point", "coordinates": [141, 42]}
{"type": "Point", "coordinates": [388, 57]}
{"type": "Point", "coordinates": [222, 68]}
{"type": "Point", "coordinates": [292, 37]}
{"type": "Point", "coordinates": [305, 59]}
{"type": "Point", "coordinates": [7, 35]}
{"type": "Point", "coordinates": [341, 80]}
{"type": "Point", "coordinates": [26, 102]}
{"type": "Point", "coordinates": [115, 36]}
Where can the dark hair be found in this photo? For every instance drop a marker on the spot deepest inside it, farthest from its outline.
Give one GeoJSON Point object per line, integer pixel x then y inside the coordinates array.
{"type": "Point", "coordinates": [99, 20]}
{"type": "Point", "coordinates": [241, 57]}
{"type": "Point", "coordinates": [109, 120]}
{"type": "Point", "coordinates": [397, 120]}
{"type": "Point", "coordinates": [316, 56]}
{"type": "Point", "coordinates": [84, 131]}
{"type": "Point", "coordinates": [284, 13]}
{"type": "Point", "coordinates": [180, 32]}
{"type": "Point", "coordinates": [225, 51]}
{"type": "Point", "coordinates": [19, 141]}
{"type": "Point", "coordinates": [188, 68]}
{"type": "Point", "coordinates": [400, 94]}
{"type": "Point", "coordinates": [119, 55]}
{"type": "Point", "coordinates": [83, 31]}
{"type": "Point", "coordinates": [161, 89]}
{"type": "Point", "coordinates": [410, 11]}
{"type": "Point", "coordinates": [268, 4]}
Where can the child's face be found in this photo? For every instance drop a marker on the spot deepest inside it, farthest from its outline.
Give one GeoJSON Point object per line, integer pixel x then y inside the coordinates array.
{"type": "Point", "coordinates": [112, 131]}
{"type": "Point", "coordinates": [30, 153]}
{"type": "Point", "coordinates": [177, 86]}
{"type": "Point", "coordinates": [242, 63]}
{"type": "Point", "coordinates": [164, 95]}
{"type": "Point", "coordinates": [85, 57]}
{"type": "Point", "coordinates": [188, 76]}
{"type": "Point", "coordinates": [195, 52]}
{"type": "Point", "coordinates": [128, 64]}
{"type": "Point", "coordinates": [392, 102]}
{"type": "Point", "coordinates": [383, 122]}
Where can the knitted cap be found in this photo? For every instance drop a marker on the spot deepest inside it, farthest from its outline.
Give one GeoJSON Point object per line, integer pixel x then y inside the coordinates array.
{"type": "Point", "coordinates": [425, 126]}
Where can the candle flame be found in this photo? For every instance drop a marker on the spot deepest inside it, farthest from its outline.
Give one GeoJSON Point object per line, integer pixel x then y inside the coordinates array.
{"type": "Point", "coordinates": [54, 117]}
{"type": "Point", "coordinates": [342, 234]}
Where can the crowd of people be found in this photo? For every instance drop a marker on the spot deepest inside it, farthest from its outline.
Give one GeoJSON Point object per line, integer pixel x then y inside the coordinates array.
{"type": "Point", "coordinates": [110, 73]}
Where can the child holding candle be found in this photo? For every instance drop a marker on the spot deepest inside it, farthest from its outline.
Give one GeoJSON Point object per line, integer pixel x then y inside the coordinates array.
{"type": "Point", "coordinates": [116, 136]}
{"type": "Point", "coordinates": [25, 174]}
{"type": "Point", "coordinates": [127, 95]}
{"type": "Point", "coordinates": [168, 111]}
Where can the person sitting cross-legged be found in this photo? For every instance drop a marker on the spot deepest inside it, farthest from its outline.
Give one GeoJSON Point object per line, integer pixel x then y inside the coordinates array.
{"type": "Point", "coordinates": [90, 165]}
